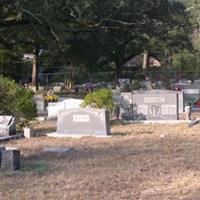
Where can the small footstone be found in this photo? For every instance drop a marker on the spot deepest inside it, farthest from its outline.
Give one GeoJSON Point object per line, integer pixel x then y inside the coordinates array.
{"type": "Point", "coordinates": [10, 159]}
{"type": "Point", "coordinates": [28, 133]}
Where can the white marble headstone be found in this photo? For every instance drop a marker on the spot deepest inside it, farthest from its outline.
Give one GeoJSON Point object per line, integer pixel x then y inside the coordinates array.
{"type": "Point", "coordinates": [55, 108]}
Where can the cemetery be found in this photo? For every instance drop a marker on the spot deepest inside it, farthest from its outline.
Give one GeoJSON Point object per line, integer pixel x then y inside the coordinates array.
{"type": "Point", "coordinates": [100, 100]}
{"type": "Point", "coordinates": [82, 150]}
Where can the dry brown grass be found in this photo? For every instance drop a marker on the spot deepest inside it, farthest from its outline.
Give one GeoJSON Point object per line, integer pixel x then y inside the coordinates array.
{"type": "Point", "coordinates": [146, 162]}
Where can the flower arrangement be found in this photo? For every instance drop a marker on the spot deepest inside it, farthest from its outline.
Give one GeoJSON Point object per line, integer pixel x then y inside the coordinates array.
{"type": "Point", "coordinates": [51, 98]}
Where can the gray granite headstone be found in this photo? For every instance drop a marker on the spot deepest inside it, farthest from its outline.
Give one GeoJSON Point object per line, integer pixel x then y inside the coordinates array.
{"type": "Point", "coordinates": [84, 121]}
{"type": "Point", "coordinates": [1, 149]}
{"type": "Point", "coordinates": [181, 102]}
{"type": "Point", "coordinates": [155, 105]}
{"type": "Point", "coordinates": [126, 105]}
{"type": "Point", "coordinates": [10, 159]}
{"type": "Point", "coordinates": [191, 96]}
{"type": "Point", "coordinates": [197, 82]}
{"type": "Point", "coordinates": [40, 104]}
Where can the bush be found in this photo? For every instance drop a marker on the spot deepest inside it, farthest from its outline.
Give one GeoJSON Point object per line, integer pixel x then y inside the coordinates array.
{"type": "Point", "coordinates": [99, 99]}
{"type": "Point", "coordinates": [16, 100]}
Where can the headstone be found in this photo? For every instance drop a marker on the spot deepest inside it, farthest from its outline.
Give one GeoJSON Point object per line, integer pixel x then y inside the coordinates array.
{"type": "Point", "coordinates": [124, 84]}
{"type": "Point", "coordinates": [190, 97]}
{"type": "Point", "coordinates": [40, 104]}
{"type": "Point", "coordinates": [84, 121]}
{"type": "Point", "coordinates": [10, 159]}
{"type": "Point", "coordinates": [54, 108]}
{"type": "Point", "coordinates": [116, 95]}
{"type": "Point", "coordinates": [126, 105]}
{"type": "Point", "coordinates": [72, 103]}
{"type": "Point", "coordinates": [41, 88]}
{"type": "Point", "coordinates": [188, 112]}
{"type": "Point", "coordinates": [197, 82]}
{"type": "Point", "coordinates": [7, 125]}
{"type": "Point", "coordinates": [148, 84]}
{"type": "Point", "coordinates": [1, 149]}
{"type": "Point", "coordinates": [28, 132]}
{"type": "Point", "coordinates": [155, 105]}
{"type": "Point", "coordinates": [123, 81]}
{"type": "Point", "coordinates": [57, 89]}
{"type": "Point", "coordinates": [181, 102]}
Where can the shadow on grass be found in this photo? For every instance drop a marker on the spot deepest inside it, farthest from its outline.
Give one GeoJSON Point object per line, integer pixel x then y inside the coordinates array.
{"type": "Point", "coordinates": [40, 167]}
{"type": "Point", "coordinates": [126, 134]}
{"type": "Point", "coordinates": [42, 132]}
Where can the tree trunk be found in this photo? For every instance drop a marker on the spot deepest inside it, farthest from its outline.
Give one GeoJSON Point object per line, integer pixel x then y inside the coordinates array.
{"type": "Point", "coordinates": [119, 70]}
{"type": "Point", "coordinates": [35, 73]}
{"type": "Point", "coordinates": [145, 64]}
{"type": "Point", "coordinates": [71, 77]}
{"type": "Point", "coordinates": [119, 62]}
{"type": "Point", "coordinates": [35, 69]}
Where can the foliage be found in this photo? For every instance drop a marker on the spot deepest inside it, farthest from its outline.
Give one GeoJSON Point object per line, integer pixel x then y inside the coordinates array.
{"type": "Point", "coordinates": [86, 32]}
{"type": "Point", "coordinates": [99, 99]}
{"type": "Point", "coordinates": [183, 61]}
{"type": "Point", "coordinates": [16, 100]}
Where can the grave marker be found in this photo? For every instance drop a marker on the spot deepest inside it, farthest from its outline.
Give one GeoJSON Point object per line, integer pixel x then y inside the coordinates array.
{"type": "Point", "coordinates": [155, 105]}
{"type": "Point", "coordinates": [126, 105]}
{"type": "Point", "coordinates": [84, 121]}
{"type": "Point", "coordinates": [1, 149]}
{"type": "Point", "coordinates": [56, 107]}
{"type": "Point", "coordinates": [190, 97]}
{"type": "Point", "coordinates": [40, 104]}
{"type": "Point", "coordinates": [10, 159]}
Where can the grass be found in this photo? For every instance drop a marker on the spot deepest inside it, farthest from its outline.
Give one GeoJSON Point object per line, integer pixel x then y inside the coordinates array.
{"type": "Point", "coordinates": [146, 162]}
{"type": "Point", "coordinates": [40, 167]}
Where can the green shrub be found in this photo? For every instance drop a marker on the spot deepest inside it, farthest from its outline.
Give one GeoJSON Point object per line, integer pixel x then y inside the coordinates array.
{"type": "Point", "coordinates": [99, 99]}
{"type": "Point", "coordinates": [16, 100]}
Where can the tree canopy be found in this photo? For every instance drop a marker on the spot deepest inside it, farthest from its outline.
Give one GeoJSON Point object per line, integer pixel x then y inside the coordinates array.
{"type": "Point", "coordinates": [92, 31]}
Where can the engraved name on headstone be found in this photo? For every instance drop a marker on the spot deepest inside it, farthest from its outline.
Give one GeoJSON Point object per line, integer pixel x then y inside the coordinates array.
{"type": "Point", "coordinates": [83, 121]}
